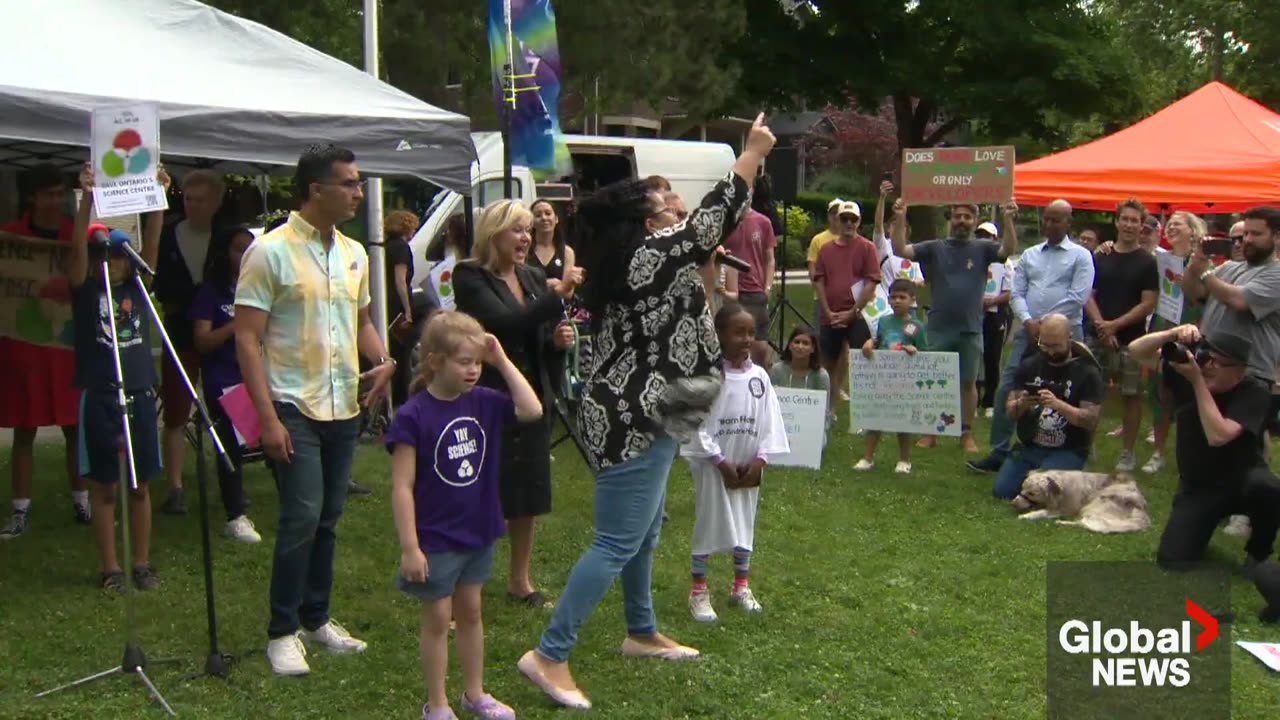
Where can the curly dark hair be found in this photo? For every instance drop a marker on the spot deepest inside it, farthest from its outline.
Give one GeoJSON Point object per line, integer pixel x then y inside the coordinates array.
{"type": "Point", "coordinates": [609, 228]}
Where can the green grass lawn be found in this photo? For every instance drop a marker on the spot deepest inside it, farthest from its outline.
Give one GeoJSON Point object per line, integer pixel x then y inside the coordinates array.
{"type": "Point", "coordinates": [885, 597]}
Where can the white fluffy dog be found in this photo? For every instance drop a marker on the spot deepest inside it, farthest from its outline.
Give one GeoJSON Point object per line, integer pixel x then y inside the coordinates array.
{"type": "Point", "coordinates": [1099, 502]}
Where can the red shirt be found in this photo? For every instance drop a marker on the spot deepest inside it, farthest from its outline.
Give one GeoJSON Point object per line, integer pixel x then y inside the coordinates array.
{"type": "Point", "coordinates": [841, 264]}
{"type": "Point", "coordinates": [753, 241]}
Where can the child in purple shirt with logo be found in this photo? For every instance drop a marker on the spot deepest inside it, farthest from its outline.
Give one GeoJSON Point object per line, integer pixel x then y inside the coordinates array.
{"type": "Point", "coordinates": [445, 449]}
{"type": "Point", "coordinates": [212, 315]}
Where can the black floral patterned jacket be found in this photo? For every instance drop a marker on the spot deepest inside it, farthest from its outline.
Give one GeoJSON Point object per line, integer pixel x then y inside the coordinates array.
{"type": "Point", "coordinates": [655, 353]}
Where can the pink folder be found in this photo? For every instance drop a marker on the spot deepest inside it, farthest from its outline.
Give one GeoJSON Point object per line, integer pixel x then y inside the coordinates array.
{"type": "Point", "coordinates": [244, 417]}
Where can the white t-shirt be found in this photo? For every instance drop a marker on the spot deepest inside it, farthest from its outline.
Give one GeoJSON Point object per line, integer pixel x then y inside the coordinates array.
{"type": "Point", "coordinates": [193, 246]}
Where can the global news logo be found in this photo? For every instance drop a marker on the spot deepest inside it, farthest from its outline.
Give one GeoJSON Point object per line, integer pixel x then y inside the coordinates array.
{"type": "Point", "coordinates": [1137, 656]}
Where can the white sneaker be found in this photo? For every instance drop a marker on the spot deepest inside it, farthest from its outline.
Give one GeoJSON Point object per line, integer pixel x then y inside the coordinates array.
{"type": "Point", "coordinates": [241, 530]}
{"type": "Point", "coordinates": [989, 413]}
{"type": "Point", "coordinates": [1238, 526]}
{"type": "Point", "coordinates": [902, 468]}
{"type": "Point", "coordinates": [746, 600]}
{"type": "Point", "coordinates": [1154, 465]}
{"type": "Point", "coordinates": [1128, 463]}
{"type": "Point", "coordinates": [1151, 437]}
{"type": "Point", "coordinates": [287, 656]}
{"type": "Point", "coordinates": [864, 465]}
{"type": "Point", "coordinates": [17, 525]}
{"type": "Point", "coordinates": [700, 607]}
{"type": "Point", "coordinates": [333, 637]}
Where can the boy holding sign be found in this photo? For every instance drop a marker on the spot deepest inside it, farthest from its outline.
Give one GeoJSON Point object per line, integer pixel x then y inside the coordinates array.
{"type": "Point", "coordinates": [901, 331]}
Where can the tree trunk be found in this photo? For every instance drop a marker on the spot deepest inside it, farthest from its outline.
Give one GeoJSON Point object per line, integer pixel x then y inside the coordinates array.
{"type": "Point", "coordinates": [922, 220]}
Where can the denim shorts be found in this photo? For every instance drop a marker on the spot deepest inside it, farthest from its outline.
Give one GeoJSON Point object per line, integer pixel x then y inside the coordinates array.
{"type": "Point", "coordinates": [447, 570]}
{"type": "Point", "coordinates": [102, 433]}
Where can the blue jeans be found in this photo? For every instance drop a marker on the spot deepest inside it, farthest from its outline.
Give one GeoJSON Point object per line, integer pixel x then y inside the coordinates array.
{"type": "Point", "coordinates": [1002, 426]}
{"type": "Point", "coordinates": [628, 512]}
{"type": "Point", "coordinates": [313, 489]}
{"type": "Point", "coordinates": [1018, 464]}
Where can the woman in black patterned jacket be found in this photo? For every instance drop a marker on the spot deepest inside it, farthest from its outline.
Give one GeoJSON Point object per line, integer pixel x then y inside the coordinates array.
{"type": "Point", "coordinates": [652, 380]}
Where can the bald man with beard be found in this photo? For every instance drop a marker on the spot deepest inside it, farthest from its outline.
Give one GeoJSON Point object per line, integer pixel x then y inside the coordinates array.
{"type": "Point", "coordinates": [1053, 277]}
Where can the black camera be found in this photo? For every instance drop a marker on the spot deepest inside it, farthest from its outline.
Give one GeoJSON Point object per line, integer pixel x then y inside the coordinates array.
{"type": "Point", "coordinates": [1216, 247]}
{"type": "Point", "coordinates": [1176, 352]}
{"type": "Point", "coordinates": [1058, 389]}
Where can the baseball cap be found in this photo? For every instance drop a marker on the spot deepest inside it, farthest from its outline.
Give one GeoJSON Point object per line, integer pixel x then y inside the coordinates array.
{"type": "Point", "coordinates": [989, 227]}
{"type": "Point", "coordinates": [1228, 344]}
{"type": "Point", "coordinates": [1152, 223]}
{"type": "Point", "coordinates": [834, 204]}
{"type": "Point", "coordinates": [850, 208]}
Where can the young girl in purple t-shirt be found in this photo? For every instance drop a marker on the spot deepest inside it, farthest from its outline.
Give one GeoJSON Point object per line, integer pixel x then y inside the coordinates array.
{"type": "Point", "coordinates": [445, 449]}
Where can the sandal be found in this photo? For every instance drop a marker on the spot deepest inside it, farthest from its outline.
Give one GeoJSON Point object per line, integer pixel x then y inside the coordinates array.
{"type": "Point", "coordinates": [534, 599]}
{"type": "Point", "coordinates": [113, 582]}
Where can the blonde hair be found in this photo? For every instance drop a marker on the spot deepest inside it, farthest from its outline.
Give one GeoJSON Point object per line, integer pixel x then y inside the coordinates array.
{"type": "Point", "coordinates": [1197, 224]}
{"type": "Point", "coordinates": [207, 178]}
{"type": "Point", "coordinates": [445, 334]}
{"type": "Point", "coordinates": [498, 217]}
{"type": "Point", "coordinates": [401, 223]}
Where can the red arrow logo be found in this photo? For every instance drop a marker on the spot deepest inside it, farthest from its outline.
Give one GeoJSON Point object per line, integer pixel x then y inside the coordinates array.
{"type": "Point", "coordinates": [1206, 621]}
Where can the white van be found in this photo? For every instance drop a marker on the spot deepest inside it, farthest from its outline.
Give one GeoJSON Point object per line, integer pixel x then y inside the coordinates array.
{"type": "Point", "coordinates": [693, 168]}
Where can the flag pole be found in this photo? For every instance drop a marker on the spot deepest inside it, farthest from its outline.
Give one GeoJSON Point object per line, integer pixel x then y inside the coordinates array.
{"type": "Point", "coordinates": [373, 198]}
{"type": "Point", "coordinates": [508, 101]}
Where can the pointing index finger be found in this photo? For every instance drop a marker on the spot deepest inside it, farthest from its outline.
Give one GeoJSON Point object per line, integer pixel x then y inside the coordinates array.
{"type": "Point", "coordinates": [759, 120]}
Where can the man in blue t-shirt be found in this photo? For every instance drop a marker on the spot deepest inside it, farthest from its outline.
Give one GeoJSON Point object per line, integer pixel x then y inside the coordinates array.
{"type": "Point", "coordinates": [956, 270]}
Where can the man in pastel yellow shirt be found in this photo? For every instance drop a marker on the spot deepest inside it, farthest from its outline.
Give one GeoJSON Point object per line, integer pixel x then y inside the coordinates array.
{"type": "Point", "coordinates": [302, 320]}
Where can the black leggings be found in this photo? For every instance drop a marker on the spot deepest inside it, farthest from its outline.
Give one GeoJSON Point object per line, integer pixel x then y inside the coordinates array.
{"type": "Point", "coordinates": [230, 482]}
{"type": "Point", "coordinates": [1196, 514]}
{"type": "Point", "coordinates": [993, 330]}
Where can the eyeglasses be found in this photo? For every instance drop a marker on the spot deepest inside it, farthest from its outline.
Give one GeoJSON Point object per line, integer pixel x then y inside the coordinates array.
{"type": "Point", "coordinates": [851, 219]}
{"type": "Point", "coordinates": [1222, 362]}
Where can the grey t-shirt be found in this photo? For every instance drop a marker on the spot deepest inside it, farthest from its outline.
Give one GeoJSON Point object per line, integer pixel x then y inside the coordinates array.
{"type": "Point", "coordinates": [1261, 325]}
{"type": "Point", "coordinates": [956, 271]}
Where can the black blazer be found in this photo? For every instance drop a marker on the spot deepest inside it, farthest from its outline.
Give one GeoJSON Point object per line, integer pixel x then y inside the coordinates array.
{"type": "Point", "coordinates": [525, 331]}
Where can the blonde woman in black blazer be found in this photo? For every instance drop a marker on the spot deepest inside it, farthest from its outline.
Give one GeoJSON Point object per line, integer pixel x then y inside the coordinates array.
{"type": "Point", "coordinates": [512, 301]}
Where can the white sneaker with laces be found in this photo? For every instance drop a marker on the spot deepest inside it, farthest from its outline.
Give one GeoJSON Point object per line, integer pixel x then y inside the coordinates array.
{"type": "Point", "coordinates": [16, 526]}
{"type": "Point", "coordinates": [242, 530]}
{"type": "Point", "coordinates": [1128, 463]}
{"type": "Point", "coordinates": [333, 637]}
{"type": "Point", "coordinates": [1151, 437]}
{"type": "Point", "coordinates": [700, 607]}
{"type": "Point", "coordinates": [1154, 465]}
{"type": "Point", "coordinates": [1238, 526]}
{"type": "Point", "coordinates": [864, 465]}
{"type": "Point", "coordinates": [746, 600]}
{"type": "Point", "coordinates": [989, 413]}
{"type": "Point", "coordinates": [902, 468]}
{"type": "Point", "coordinates": [287, 656]}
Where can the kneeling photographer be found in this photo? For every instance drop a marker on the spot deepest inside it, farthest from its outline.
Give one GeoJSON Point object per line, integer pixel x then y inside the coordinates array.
{"type": "Point", "coordinates": [1221, 410]}
{"type": "Point", "coordinates": [1056, 403]}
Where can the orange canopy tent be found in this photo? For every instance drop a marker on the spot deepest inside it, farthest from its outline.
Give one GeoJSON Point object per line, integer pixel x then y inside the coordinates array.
{"type": "Point", "coordinates": [1213, 151]}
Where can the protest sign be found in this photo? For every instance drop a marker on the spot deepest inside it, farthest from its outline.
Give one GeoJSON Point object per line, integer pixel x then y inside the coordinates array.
{"type": "Point", "coordinates": [804, 414]}
{"type": "Point", "coordinates": [995, 280]}
{"type": "Point", "coordinates": [876, 309]}
{"type": "Point", "coordinates": [1268, 653]}
{"type": "Point", "coordinates": [125, 147]}
{"type": "Point", "coordinates": [897, 392]}
{"type": "Point", "coordinates": [1171, 267]}
{"type": "Point", "coordinates": [942, 176]}
{"type": "Point", "coordinates": [35, 297]}
{"type": "Point", "coordinates": [441, 279]}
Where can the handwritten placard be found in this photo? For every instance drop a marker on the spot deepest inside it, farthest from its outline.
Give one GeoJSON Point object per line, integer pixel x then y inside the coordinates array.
{"type": "Point", "coordinates": [897, 392]}
{"type": "Point", "coordinates": [35, 297]}
{"type": "Point", "coordinates": [1171, 267]}
{"type": "Point", "coordinates": [942, 176]}
{"type": "Point", "coordinates": [804, 415]}
{"type": "Point", "coordinates": [1268, 653]}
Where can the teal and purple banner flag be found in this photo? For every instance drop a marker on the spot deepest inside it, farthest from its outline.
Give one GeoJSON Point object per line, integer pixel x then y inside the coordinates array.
{"type": "Point", "coordinates": [533, 98]}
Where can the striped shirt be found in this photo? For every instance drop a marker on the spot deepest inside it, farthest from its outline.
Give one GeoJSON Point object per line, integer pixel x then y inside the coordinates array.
{"type": "Point", "coordinates": [313, 298]}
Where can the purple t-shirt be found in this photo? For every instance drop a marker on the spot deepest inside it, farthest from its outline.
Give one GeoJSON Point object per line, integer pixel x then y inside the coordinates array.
{"type": "Point", "coordinates": [219, 369]}
{"type": "Point", "coordinates": [459, 451]}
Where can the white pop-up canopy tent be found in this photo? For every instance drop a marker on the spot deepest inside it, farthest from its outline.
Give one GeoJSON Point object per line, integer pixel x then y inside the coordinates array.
{"type": "Point", "coordinates": [231, 92]}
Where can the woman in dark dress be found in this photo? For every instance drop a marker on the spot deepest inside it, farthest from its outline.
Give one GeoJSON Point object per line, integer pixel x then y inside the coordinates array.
{"type": "Point", "coordinates": [400, 227]}
{"type": "Point", "coordinates": [550, 254]}
{"type": "Point", "coordinates": [513, 302]}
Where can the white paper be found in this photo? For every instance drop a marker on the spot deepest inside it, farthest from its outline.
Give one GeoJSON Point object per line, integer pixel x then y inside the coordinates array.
{"type": "Point", "coordinates": [804, 416]}
{"type": "Point", "coordinates": [128, 224]}
{"type": "Point", "coordinates": [897, 392]}
{"type": "Point", "coordinates": [1170, 267]}
{"type": "Point", "coordinates": [125, 148]}
{"type": "Point", "coordinates": [441, 277]}
{"type": "Point", "coordinates": [1268, 653]}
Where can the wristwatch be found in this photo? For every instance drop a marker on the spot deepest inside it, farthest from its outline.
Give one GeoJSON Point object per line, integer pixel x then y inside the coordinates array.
{"type": "Point", "coordinates": [1206, 274]}
{"type": "Point", "coordinates": [384, 360]}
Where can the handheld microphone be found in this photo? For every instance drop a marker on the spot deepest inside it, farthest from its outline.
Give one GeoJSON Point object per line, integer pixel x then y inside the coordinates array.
{"type": "Point", "coordinates": [736, 263]}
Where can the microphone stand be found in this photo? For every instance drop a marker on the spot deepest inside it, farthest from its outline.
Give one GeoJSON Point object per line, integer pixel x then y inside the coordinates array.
{"type": "Point", "coordinates": [779, 311]}
{"type": "Point", "coordinates": [216, 663]}
{"type": "Point", "coordinates": [134, 661]}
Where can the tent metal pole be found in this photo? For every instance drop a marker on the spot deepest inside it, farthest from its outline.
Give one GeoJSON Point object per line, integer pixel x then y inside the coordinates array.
{"type": "Point", "coordinates": [373, 199]}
